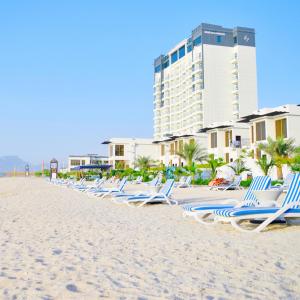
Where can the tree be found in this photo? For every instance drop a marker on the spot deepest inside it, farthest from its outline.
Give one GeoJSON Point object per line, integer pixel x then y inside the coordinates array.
{"type": "Point", "coordinates": [144, 162]}
{"type": "Point", "coordinates": [265, 165]}
{"type": "Point", "coordinates": [280, 151]}
{"type": "Point", "coordinates": [213, 164]}
{"type": "Point", "coordinates": [238, 166]}
{"type": "Point", "coordinates": [192, 152]}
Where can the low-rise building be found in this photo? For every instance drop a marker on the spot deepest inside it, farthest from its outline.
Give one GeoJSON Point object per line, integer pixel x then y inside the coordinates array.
{"type": "Point", "coordinates": [282, 121]}
{"type": "Point", "coordinates": [227, 139]}
{"type": "Point", "coordinates": [87, 159]}
{"type": "Point", "coordinates": [123, 152]}
{"type": "Point", "coordinates": [169, 148]}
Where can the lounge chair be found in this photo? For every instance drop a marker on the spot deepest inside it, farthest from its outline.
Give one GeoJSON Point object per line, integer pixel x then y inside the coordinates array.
{"type": "Point", "coordinates": [184, 182]}
{"type": "Point", "coordinates": [203, 212]}
{"type": "Point", "coordinates": [164, 195]}
{"type": "Point", "coordinates": [290, 208]}
{"type": "Point", "coordinates": [104, 192]}
{"type": "Point", "coordinates": [286, 183]}
{"type": "Point", "coordinates": [154, 182]}
{"type": "Point", "coordinates": [234, 185]}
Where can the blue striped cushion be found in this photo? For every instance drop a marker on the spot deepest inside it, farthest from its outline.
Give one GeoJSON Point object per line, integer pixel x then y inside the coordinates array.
{"type": "Point", "coordinates": [238, 212]}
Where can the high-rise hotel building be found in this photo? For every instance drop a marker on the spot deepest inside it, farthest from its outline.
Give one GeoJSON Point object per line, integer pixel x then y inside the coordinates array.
{"type": "Point", "coordinates": [208, 77]}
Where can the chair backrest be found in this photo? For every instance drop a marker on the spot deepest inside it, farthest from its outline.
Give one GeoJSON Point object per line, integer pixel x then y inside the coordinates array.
{"type": "Point", "coordinates": [237, 180]}
{"type": "Point", "coordinates": [259, 183]}
{"type": "Point", "coordinates": [293, 193]}
{"type": "Point", "coordinates": [168, 187]}
{"type": "Point", "coordinates": [288, 179]}
{"type": "Point", "coordinates": [122, 184]}
{"type": "Point", "coordinates": [188, 180]}
{"type": "Point", "coordinates": [182, 179]}
{"type": "Point", "coordinates": [154, 181]}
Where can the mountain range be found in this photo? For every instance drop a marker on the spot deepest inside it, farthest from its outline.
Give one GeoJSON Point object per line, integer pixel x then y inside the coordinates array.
{"type": "Point", "coordinates": [10, 163]}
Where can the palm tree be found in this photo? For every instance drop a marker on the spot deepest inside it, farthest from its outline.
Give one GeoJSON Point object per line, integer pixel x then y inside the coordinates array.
{"type": "Point", "coordinates": [265, 165]}
{"type": "Point", "coordinates": [213, 164]}
{"type": "Point", "coordinates": [239, 166]}
{"type": "Point", "coordinates": [192, 152]}
{"type": "Point", "coordinates": [144, 162]}
{"type": "Point", "coordinates": [279, 150]}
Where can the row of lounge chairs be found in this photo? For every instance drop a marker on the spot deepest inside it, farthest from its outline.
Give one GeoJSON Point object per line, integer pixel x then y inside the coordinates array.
{"type": "Point", "coordinates": [230, 211]}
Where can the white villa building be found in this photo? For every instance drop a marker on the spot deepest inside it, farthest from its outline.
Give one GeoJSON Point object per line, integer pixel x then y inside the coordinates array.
{"type": "Point", "coordinates": [123, 152]}
{"type": "Point", "coordinates": [282, 121]}
{"type": "Point", "coordinates": [227, 139]}
{"type": "Point", "coordinates": [87, 159]}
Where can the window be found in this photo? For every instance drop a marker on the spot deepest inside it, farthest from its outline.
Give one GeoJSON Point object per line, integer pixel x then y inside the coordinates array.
{"type": "Point", "coordinates": [213, 140]}
{"type": "Point", "coordinates": [157, 68]}
{"type": "Point", "coordinates": [227, 158]}
{"type": "Point", "coordinates": [189, 48]}
{"type": "Point", "coordinates": [228, 138]}
{"type": "Point", "coordinates": [219, 39]}
{"type": "Point", "coordinates": [83, 162]}
{"type": "Point", "coordinates": [280, 127]}
{"type": "Point", "coordinates": [193, 88]}
{"type": "Point", "coordinates": [119, 150]}
{"type": "Point", "coordinates": [252, 134]}
{"type": "Point", "coordinates": [75, 162]}
{"type": "Point", "coordinates": [172, 150]}
{"type": "Point", "coordinates": [197, 41]}
{"type": "Point", "coordinates": [193, 78]}
{"type": "Point", "coordinates": [162, 150]}
{"type": "Point", "coordinates": [260, 131]}
{"type": "Point", "coordinates": [180, 145]}
{"type": "Point", "coordinates": [174, 57]}
{"type": "Point", "coordinates": [111, 150]}
{"type": "Point", "coordinates": [182, 51]}
{"type": "Point", "coordinates": [235, 39]}
{"type": "Point", "coordinates": [166, 64]}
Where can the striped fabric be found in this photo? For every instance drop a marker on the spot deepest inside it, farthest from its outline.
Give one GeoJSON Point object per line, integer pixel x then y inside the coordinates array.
{"type": "Point", "coordinates": [166, 190]}
{"type": "Point", "coordinates": [118, 189]}
{"type": "Point", "coordinates": [293, 195]}
{"type": "Point", "coordinates": [258, 183]}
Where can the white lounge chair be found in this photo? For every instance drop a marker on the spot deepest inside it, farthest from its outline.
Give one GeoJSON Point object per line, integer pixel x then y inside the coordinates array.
{"type": "Point", "coordinates": [203, 212]}
{"type": "Point", "coordinates": [286, 183]}
{"type": "Point", "coordinates": [290, 208]}
{"type": "Point", "coordinates": [164, 195]}
{"type": "Point", "coordinates": [104, 192]}
{"type": "Point", "coordinates": [184, 182]}
{"type": "Point", "coordinates": [234, 185]}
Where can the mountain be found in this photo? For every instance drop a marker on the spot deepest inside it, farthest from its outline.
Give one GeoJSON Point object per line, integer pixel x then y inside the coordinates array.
{"type": "Point", "coordinates": [11, 162]}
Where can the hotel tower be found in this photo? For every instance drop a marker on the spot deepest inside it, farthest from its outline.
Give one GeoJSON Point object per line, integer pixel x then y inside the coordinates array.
{"type": "Point", "coordinates": [208, 77]}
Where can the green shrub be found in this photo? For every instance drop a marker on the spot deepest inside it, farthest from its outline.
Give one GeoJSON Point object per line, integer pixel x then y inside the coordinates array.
{"type": "Point", "coordinates": [38, 173]}
{"type": "Point", "coordinates": [201, 181]}
{"type": "Point", "coordinates": [246, 183]}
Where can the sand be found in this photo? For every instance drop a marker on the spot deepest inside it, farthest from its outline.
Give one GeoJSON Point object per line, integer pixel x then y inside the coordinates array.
{"type": "Point", "coordinates": [56, 243]}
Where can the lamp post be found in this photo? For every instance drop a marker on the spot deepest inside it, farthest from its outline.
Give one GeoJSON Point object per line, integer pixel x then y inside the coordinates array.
{"type": "Point", "coordinates": [26, 170]}
{"type": "Point", "coordinates": [53, 168]}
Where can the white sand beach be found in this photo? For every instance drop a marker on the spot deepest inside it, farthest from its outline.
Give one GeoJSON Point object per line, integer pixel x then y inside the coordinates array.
{"type": "Point", "coordinates": [60, 244]}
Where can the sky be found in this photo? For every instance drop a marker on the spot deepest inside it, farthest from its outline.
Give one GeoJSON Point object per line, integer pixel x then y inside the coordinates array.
{"type": "Point", "coordinates": [74, 73]}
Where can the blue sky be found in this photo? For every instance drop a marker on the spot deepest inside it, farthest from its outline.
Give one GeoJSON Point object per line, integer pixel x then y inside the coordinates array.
{"type": "Point", "coordinates": [73, 73]}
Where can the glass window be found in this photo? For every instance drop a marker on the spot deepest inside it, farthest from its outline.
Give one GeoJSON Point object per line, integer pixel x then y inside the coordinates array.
{"type": "Point", "coordinates": [189, 48]}
{"type": "Point", "coordinates": [119, 150]}
{"type": "Point", "coordinates": [174, 57]}
{"type": "Point", "coordinates": [157, 69]}
{"type": "Point", "coordinates": [162, 150]}
{"type": "Point", "coordinates": [166, 64]}
{"type": "Point", "coordinates": [193, 88]}
{"type": "Point", "coordinates": [172, 149]}
{"type": "Point", "coordinates": [260, 131]}
{"type": "Point", "coordinates": [235, 39]}
{"type": "Point", "coordinates": [280, 127]}
{"type": "Point", "coordinates": [213, 140]}
{"type": "Point", "coordinates": [197, 41]}
{"type": "Point", "coordinates": [228, 138]}
{"type": "Point", "coordinates": [182, 51]}
{"type": "Point", "coordinates": [193, 68]}
{"type": "Point", "coordinates": [218, 39]}
{"type": "Point", "coordinates": [75, 162]}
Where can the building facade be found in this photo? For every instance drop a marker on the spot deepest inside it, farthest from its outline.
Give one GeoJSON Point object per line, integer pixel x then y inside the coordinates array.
{"type": "Point", "coordinates": [123, 152]}
{"type": "Point", "coordinates": [208, 77]}
{"type": "Point", "coordinates": [226, 140]}
{"type": "Point", "coordinates": [282, 121]}
{"type": "Point", "coordinates": [87, 159]}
